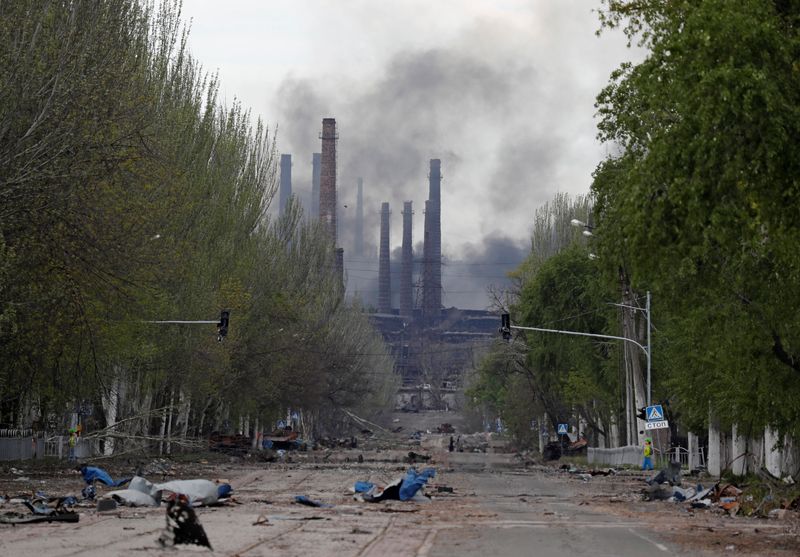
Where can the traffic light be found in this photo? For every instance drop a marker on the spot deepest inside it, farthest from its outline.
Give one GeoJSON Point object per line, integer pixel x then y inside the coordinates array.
{"type": "Point", "coordinates": [505, 326]}
{"type": "Point", "coordinates": [641, 414]}
{"type": "Point", "coordinates": [222, 326]}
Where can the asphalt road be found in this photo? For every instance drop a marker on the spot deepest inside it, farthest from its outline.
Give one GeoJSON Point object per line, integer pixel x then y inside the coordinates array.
{"type": "Point", "coordinates": [494, 510]}
{"type": "Point", "coordinates": [542, 515]}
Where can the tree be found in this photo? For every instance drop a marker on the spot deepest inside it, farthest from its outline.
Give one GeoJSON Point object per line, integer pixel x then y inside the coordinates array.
{"type": "Point", "coordinates": [559, 288]}
{"type": "Point", "coordinates": [129, 193]}
{"type": "Point", "coordinates": [703, 203]}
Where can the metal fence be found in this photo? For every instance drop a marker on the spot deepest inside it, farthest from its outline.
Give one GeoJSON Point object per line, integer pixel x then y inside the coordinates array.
{"type": "Point", "coordinates": [28, 445]}
{"type": "Point", "coordinates": [687, 460]}
{"type": "Point", "coordinates": [632, 455]}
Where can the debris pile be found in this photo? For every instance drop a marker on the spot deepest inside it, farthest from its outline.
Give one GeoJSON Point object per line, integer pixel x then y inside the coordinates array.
{"type": "Point", "coordinates": [587, 475]}
{"type": "Point", "coordinates": [40, 507]}
{"type": "Point", "coordinates": [407, 488]}
{"type": "Point", "coordinates": [237, 445]}
{"type": "Point", "coordinates": [763, 497]}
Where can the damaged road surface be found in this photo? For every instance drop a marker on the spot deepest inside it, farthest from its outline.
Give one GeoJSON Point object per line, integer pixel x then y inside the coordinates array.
{"type": "Point", "coordinates": [489, 504]}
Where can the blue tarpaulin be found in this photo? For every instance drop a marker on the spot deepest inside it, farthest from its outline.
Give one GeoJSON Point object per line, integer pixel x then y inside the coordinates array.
{"type": "Point", "coordinates": [414, 481]}
{"type": "Point", "coordinates": [403, 489]}
{"type": "Point", "coordinates": [93, 474]}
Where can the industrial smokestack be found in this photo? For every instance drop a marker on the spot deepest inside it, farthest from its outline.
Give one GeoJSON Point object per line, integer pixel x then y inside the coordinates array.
{"type": "Point", "coordinates": [315, 173]}
{"type": "Point", "coordinates": [339, 262]}
{"type": "Point", "coordinates": [359, 239]}
{"type": "Point", "coordinates": [407, 265]}
{"type": "Point", "coordinates": [384, 281]}
{"type": "Point", "coordinates": [327, 178]}
{"type": "Point", "coordinates": [435, 181]}
{"type": "Point", "coordinates": [286, 182]}
{"type": "Point", "coordinates": [432, 249]}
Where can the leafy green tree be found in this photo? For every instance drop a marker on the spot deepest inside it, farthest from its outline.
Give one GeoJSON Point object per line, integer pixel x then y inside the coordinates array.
{"type": "Point", "coordinates": [702, 204]}
{"type": "Point", "coordinates": [129, 194]}
{"type": "Point", "coordinates": [562, 375]}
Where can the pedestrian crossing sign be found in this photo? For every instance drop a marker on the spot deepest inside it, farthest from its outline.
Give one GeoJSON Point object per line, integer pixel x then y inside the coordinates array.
{"type": "Point", "coordinates": [654, 413]}
{"type": "Point", "coordinates": [562, 429]}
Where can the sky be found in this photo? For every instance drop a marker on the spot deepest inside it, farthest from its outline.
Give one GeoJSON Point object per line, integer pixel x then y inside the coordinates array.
{"type": "Point", "coordinates": [502, 91]}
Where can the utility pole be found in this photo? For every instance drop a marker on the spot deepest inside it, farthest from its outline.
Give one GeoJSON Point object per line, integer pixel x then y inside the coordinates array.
{"type": "Point", "coordinates": [506, 327]}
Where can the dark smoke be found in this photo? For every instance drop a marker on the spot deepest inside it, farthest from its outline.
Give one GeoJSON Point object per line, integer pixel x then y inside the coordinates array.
{"type": "Point", "coordinates": [510, 127]}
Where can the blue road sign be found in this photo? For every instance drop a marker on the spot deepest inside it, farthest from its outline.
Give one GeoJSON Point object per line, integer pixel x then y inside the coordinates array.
{"type": "Point", "coordinates": [562, 429]}
{"type": "Point", "coordinates": [654, 413]}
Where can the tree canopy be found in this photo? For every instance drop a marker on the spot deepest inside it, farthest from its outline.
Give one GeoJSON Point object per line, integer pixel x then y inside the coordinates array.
{"type": "Point", "coordinates": [129, 194]}
{"type": "Point", "coordinates": [702, 204]}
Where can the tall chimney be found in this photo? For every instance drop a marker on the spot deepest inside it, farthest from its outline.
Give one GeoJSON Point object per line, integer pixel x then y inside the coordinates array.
{"type": "Point", "coordinates": [359, 240]}
{"type": "Point", "coordinates": [339, 262]}
{"type": "Point", "coordinates": [435, 181]}
{"type": "Point", "coordinates": [407, 266]}
{"type": "Point", "coordinates": [432, 248]}
{"type": "Point", "coordinates": [315, 171]}
{"type": "Point", "coordinates": [286, 182]}
{"type": "Point", "coordinates": [327, 178]}
{"type": "Point", "coordinates": [384, 281]}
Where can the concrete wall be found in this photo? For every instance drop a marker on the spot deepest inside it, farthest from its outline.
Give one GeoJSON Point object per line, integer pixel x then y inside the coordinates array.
{"type": "Point", "coordinates": [742, 454]}
{"type": "Point", "coordinates": [421, 399]}
{"type": "Point", "coordinates": [620, 456]}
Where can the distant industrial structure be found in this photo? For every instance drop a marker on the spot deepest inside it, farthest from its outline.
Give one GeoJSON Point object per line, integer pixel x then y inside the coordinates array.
{"type": "Point", "coordinates": [432, 345]}
{"type": "Point", "coordinates": [407, 265]}
{"type": "Point", "coordinates": [384, 280]}
{"type": "Point", "coordinates": [358, 243]}
{"type": "Point", "coordinates": [285, 191]}
{"type": "Point", "coordinates": [316, 170]}
{"type": "Point", "coordinates": [432, 250]}
{"type": "Point", "coordinates": [327, 177]}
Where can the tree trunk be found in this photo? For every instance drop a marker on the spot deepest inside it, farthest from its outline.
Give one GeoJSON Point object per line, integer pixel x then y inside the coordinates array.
{"type": "Point", "coordinates": [163, 431]}
{"type": "Point", "coordinates": [169, 421]}
{"type": "Point", "coordinates": [185, 412]}
{"type": "Point", "coordinates": [254, 443]}
{"type": "Point", "coordinates": [110, 403]}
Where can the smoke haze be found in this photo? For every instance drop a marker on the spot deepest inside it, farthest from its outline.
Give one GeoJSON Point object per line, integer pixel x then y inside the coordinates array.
{"type": "Point", "coordinates": [502, 92]}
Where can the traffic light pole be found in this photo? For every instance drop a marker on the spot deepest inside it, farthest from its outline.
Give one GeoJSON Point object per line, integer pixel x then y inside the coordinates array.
{"type": "Point", "coordinates": [507, 326]}
{"type": "Point", "coordinates": [181, 322]}
{"type": "Point", "coordinates": [612, 337]}
{"type": "Point", "coordinates": [222, 323]}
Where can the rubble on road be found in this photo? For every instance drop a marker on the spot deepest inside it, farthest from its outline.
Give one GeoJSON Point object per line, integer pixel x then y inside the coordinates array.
{"type": "Point", "coordinates": [337, 443]}
{"type": "Point", "coordinates": [182, 525]}
{"type": "Point", "coordinates": [283, 440]}
{"type": "Point", "coordinates": [41, 508]}
{"type": "Point", "coordinates": [413, 457]}
{"type": "Point", "coordinates": [140, 493]}
{"type": "Point", "coordinates": [232, 444]}
{"type": "Point", "coordinates": [93, 474]}
{"type": "Point", "coordinates": [764, 497]}
{"type": "Point", "coordinates": [198, 491]}
{"type": "Point", "coordinates": [586, 475]}
{"type": "Point", "coordinates": [308, 502]}
{"type": "Point", "coordinates": [403, 489]}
